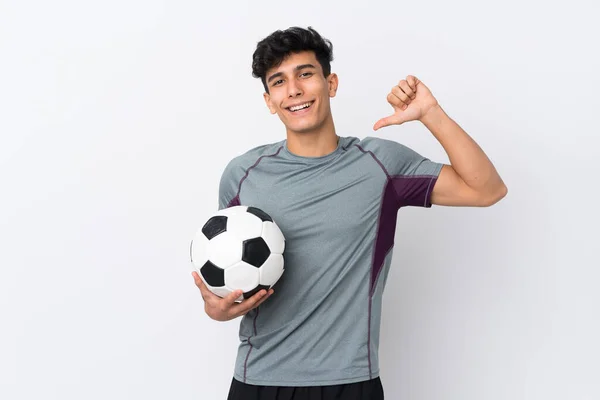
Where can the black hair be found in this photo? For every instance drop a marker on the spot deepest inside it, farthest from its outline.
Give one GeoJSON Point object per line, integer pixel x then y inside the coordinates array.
{"type": "Point", "coordinates": [272, 50]}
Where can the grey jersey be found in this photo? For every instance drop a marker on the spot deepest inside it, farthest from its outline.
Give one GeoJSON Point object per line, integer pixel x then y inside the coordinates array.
{"type": "Point", "coordinates": [338, 215]}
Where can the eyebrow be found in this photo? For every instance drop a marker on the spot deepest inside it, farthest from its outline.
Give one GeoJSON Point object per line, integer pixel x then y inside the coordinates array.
{"type": "Point", "coordinates": [298, 68]}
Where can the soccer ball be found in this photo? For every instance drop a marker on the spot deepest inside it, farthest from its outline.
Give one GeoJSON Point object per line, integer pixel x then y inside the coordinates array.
{"type": "Point", "coordinates": [239, 247]}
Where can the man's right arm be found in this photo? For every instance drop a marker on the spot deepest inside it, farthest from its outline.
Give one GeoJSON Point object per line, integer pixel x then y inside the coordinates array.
{"type": "Point", "coordinates": [225, 309]}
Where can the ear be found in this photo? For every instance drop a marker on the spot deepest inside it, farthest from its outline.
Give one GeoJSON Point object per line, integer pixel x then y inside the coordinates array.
{"type": "Point", "coordinates": [267, 98]}
{"type": "Point", "coordinates": [332, 81]}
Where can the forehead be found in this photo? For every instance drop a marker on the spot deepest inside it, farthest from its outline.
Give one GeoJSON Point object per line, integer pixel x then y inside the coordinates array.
{"type": "Point", "coordinates": [294, 59]}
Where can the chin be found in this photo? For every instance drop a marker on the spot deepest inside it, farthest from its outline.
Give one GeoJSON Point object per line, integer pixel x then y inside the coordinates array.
{"type": "Point", "coordinates": [303, 128]}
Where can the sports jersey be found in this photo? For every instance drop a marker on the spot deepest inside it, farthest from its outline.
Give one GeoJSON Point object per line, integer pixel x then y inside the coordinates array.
{"type": "Point", "coordinates": [338, 214]}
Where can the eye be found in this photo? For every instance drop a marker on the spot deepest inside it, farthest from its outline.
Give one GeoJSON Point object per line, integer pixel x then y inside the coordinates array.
{"type": "Point", "coordinates": [306, 74]}
{"type": "Point", "coordinates": [277, 82]}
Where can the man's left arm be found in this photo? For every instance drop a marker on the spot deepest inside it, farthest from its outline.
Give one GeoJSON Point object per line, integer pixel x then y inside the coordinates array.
{"type": "Point", "coordinates": [471, 179]}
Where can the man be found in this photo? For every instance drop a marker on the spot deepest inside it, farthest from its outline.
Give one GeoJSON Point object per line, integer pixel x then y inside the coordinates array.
{"type": "Point", "coordinates": [336, 201]}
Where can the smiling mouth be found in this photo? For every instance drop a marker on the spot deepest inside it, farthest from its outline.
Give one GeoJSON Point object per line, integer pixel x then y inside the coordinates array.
{"type": "Point", "coordinates": [300, 107]}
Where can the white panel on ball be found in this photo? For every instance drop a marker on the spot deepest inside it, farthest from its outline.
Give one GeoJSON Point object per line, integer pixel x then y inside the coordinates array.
{"type": "Point", "coordinates": [273, 237]}
{"type": "Point", "coordinates": [242, 276]}
{"type": "Point", "coordinates": [198, 250]}
{"type": "Point", "coordinates": [245, 226]}
{"type": "Point", "coordinates": [271, 270]}
{"type": "Point", "coordinates": [224, 250]}
{"type": "Point", "coordinates": [219, 291]}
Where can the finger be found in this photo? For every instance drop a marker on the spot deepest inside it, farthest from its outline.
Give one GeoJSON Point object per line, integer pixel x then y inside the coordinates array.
{"type": "Point", "coordinates": [395, 101]}
{"type": "Point", "coordinates": [198, 280]}
{"type": "Point", "coordinates": [413, 82]}
{"type": "Point", "coordinates": [401, 94]}
{"type": "Point", "coordinates": [387, 121]}
{"type": "Point", "coordinates": [232, 297]}
{"type": "Point", "coordinates": [195, 275]}
{"type": "Point", "coordinates": [207, 295]}
{"type": "Point", "coordinates": [269, 293]}
{"type": "Point", "coordinates": [406, 88]}
{"type": "Point", "coordinates": [250, 303]}
{"type": "Point", "coordinates": [259, 302]}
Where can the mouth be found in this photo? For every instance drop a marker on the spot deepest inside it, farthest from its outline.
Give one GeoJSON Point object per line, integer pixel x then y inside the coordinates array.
{"type": "Point", "coordinates": [300, 108]}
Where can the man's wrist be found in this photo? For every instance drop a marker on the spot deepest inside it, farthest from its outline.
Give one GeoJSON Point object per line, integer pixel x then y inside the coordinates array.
{"type": "Point", "coordinates": [434, 116]}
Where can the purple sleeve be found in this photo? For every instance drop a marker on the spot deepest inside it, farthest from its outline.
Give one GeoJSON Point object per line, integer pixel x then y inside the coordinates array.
{"type": "Point", "coordinates": [414, 190]}
{"type": "Point", "coordinates": [412, 175]}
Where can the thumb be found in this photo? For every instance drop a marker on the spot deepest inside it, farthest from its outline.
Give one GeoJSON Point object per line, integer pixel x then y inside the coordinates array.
{"type": "Point", "coordinates": [383, 122]}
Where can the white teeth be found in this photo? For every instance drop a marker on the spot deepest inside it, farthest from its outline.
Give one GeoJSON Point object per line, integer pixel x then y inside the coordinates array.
{"type": "Point", "coordinates": [300, 107]}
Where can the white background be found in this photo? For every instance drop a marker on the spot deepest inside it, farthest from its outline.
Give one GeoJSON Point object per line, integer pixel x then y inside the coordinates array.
{"type": "Point", "coordinates": [117, 118]}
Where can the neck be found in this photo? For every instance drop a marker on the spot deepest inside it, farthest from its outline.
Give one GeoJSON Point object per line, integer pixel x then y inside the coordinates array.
{"type": "Point", "coordinates": [315, 143]}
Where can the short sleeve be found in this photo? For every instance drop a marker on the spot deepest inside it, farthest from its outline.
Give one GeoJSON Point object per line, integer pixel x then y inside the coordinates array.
{"type": "Point", "coordinates": [412, 175]}
{"type": "Point", "coordinates": [229, 185]}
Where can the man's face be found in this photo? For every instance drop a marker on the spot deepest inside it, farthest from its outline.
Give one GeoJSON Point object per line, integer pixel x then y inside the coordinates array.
{"type": "Point", "coordinates": [296, 83]}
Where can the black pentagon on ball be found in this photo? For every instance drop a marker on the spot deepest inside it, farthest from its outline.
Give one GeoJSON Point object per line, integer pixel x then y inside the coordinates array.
{"type": "Point", "coordinates": [213, 275]}
{"type": "Point", "coordinates": [260, 214]}
{"type": "Point", "coordinates": [214, 226]}
{"type": "Point", "coordinates": [257, 289]}
{"type": "Point", "coordinates": [255, 251]}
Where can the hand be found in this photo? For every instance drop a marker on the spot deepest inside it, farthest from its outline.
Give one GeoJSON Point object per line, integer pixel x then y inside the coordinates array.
{"type": "Point", "coordinates": [411, 101]}
{"type": "Point", "coordinates": [225, 309]}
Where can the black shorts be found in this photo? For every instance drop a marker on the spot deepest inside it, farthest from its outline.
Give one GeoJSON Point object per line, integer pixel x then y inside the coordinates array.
{"type": "Point", "coordinates": [366, 390]}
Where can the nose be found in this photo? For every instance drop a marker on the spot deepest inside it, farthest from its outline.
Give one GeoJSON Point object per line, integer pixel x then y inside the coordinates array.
{"type": "Point", "coordinates": [294, 89]}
